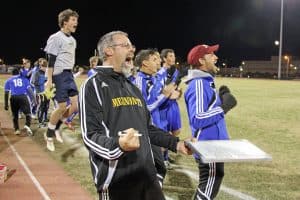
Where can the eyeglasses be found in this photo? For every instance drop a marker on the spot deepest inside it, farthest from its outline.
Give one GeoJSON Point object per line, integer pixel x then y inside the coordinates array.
{"type": "Point", "coordinates": [126, 45]}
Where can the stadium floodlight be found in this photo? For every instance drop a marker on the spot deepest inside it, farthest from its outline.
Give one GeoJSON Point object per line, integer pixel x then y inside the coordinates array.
{"type": "Point", "coordinates": [280, 41]}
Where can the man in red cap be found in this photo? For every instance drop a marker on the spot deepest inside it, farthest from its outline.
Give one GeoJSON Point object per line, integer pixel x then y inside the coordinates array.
{"type": "Point", "coordinates": [206, 110]}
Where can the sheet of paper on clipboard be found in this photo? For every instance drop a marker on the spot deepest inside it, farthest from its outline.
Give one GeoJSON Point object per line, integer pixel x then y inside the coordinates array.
{"type": "Point", "coordinates": [228, 151]}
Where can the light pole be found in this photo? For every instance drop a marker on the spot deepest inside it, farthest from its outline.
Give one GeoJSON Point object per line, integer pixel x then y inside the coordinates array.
{"type": "Point", "coordinates": [241, 71]}
{"type": "Point", "coordinates": [287, 58]}
{"type": "Point", "coordinates": [242, 67]}
{"type": "Point", "coordinates": [280, 41]}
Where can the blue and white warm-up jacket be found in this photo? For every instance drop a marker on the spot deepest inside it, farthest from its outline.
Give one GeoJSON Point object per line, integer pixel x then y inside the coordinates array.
{"type": "Point", "coordinates": [206, 117]}
{"type": "Point", "coordinates": [151, 91]}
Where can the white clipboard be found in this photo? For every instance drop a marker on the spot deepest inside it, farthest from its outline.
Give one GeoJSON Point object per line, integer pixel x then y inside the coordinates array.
{"type": "Point", "coordinates": [228, 151]}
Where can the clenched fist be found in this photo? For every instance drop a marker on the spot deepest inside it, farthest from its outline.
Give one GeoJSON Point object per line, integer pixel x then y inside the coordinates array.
{"type": "Point", "coordinates": [129, 140]}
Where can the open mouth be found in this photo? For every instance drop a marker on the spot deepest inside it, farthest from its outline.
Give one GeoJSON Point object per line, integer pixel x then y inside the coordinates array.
{"type": "Point", "coordinates": [128, 59]}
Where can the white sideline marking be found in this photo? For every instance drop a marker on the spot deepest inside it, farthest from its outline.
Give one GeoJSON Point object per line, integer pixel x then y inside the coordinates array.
{"type": "Point", "coordinates": [168, 198]}
{"type": "Point", "coordinates": [30, 174]}
{"type": "Point", "coordinates": [225, 189]}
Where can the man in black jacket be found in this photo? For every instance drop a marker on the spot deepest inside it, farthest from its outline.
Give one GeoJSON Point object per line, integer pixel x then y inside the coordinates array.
{"type": "Point", "coordinates": [117, 130]}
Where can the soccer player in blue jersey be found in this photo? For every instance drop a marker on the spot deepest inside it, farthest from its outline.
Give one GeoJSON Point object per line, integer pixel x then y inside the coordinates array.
{"type": "Point", "coordinates": [154, 92]}
{"type": "Point", "coordinates": [60, 49]}
{"type": "Point", "coordinates": [206, 110]}
{"type": "Point", "coordinates": [169, 74]}
{"type": "Point", "coordinates": [154, 96]}
{"type": "Point", "coordinates": [18, 87]}
{"type": "Point", "coordinates": [169, 111]}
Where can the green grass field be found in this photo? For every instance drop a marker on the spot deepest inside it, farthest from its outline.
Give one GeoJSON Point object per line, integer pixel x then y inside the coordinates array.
{"type": "Point", "coordinates": [268, 115]}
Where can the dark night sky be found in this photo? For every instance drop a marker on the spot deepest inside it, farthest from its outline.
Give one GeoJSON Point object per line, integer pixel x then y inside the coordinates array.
{"type": "Point", "coordinates": [245, 29]}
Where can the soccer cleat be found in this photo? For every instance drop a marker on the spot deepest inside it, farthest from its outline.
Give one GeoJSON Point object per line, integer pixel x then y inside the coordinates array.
{"type": "Point", "coordinates": [58, 136]}
{"type": "Point", "coordinates": [50, 142]}
{"type": "Point", "coordinates": [17, 132]}
{"type": "Point", "coordinates": [28, 130]}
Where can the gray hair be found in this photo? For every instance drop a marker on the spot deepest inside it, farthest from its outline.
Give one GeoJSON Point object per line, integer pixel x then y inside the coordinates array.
{"type": "Point", "coordinates": [106, 41]}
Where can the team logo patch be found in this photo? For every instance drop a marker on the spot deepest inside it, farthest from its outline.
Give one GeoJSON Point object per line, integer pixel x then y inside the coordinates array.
{"type": "Point", "coordinates": [126, 101]}
{"type": "Point", "coordinates": [104, 85]}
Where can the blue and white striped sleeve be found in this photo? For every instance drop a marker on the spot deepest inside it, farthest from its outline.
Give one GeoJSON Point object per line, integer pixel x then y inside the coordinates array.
{"type": "Point", "coordinates": [197, 102]}
{"type": "Point", "coordinates": [95, 134]}
{"type": "Point", "coordinates": [153, 97]}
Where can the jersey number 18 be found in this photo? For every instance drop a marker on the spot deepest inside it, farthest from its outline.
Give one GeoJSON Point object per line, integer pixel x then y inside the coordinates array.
{"type": "Point", "coordinates": [18, 82]}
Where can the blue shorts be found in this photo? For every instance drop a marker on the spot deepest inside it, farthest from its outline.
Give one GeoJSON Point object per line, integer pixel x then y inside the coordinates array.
{"type": "Point", "coordinates": [171, 114]}
{"type": "Point", "coordinates": [65, 86]}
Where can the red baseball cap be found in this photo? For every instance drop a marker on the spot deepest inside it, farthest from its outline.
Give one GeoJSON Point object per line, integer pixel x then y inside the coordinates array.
{"type": "Point", "coordinates": [199, 51]}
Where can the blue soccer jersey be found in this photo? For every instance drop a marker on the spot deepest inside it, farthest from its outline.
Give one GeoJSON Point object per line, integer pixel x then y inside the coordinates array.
{"type": "Point", "coordinates": [169, 110]}
{"type": "Point", "coordinates": [151, 91]}
{"type": "Point", "coordinates": [17, 85]}
{"type": "Point", "coordinates": [25, 72]}
{"type": "Point", "coordinates": [165, 78]}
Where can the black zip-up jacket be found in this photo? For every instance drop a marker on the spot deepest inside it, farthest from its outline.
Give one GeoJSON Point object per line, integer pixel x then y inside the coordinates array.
{"type": "Point", "coordinates": [110, 103]}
